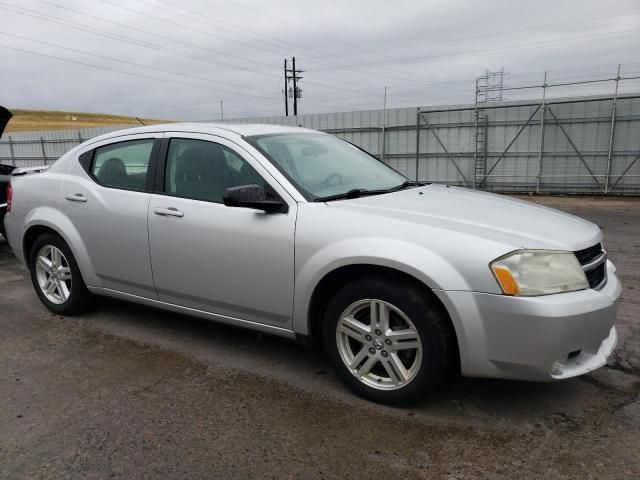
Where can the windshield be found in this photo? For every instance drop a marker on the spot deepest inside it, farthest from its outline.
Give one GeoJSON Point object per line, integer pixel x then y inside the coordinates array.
{"type": "Point", "coordinates": [322, 165]}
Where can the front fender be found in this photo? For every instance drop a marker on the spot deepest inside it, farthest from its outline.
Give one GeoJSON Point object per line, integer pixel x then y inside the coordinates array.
{"type": "Point", "coordinates": [426, 266]}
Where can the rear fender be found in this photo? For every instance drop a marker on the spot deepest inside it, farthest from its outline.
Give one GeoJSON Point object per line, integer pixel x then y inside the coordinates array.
{"type": "Point", "coordinates": [62, 225]}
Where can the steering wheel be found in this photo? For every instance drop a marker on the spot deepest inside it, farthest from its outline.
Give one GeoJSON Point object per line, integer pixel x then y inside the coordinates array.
{"type": "Point", "coordinates": [333, 180]}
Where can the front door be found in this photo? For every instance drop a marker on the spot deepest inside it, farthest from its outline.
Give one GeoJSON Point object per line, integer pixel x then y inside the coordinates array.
{"type": "Point", "coordinates": [234, 262]}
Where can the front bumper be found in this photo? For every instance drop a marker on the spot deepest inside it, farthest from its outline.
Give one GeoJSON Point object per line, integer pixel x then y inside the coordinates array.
{"type": "Point", "coordinates": [542, 338]}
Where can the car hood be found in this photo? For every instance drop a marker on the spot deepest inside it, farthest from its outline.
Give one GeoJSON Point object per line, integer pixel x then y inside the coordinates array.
{"type": "Point", "coordinates": [518, 223]}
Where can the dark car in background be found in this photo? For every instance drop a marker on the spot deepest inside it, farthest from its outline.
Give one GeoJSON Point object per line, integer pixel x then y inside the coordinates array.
{"type": "Point", "coordinates": [5, 171]}
{"type": "Point", "coordinates": [5, 176]}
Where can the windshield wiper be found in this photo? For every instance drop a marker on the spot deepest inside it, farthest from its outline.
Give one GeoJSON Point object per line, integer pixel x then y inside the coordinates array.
{"type": "Point", "coordinates": [354, 193]}
{"type": "Point", "coordinates": [362, 192]}
{"type": "Point", "coordinates": [407, 184]}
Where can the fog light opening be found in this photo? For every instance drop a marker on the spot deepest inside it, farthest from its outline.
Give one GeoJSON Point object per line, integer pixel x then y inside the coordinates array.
{"type": "Point", "coordinates": [573, 354]}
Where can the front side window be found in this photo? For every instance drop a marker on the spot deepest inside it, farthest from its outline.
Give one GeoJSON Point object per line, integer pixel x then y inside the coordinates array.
{"type": "Point", "coordinates": [203, 170]}
{"type": "Point", "coordinates": [323, 165]}
{"type": "Point", "coordinates": [123, 164]}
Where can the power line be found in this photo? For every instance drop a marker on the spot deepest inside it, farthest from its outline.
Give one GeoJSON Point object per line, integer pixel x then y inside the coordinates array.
{"type": "Point", "coordinates": [476, 37]}
{"type": "Point", "coordinates": [500, 49]}
{"type": "Point", "coordinates": [244, 59]}
{"type": "Point", "coordinates": [188, 27]}
{"type": "Point", "coordinates": [293, 25]}
{"type": "Point", "coordinates": [146, 32]}
{"type": "Point", "coordinates": [125, 72]}
{"type": "Point", "coordinates": [343, 66]}
{"type": "Point", "coordinates": [131, 41]}
{"type": "Point", "coordinates": [146, 44]}
{"type": "Point", "coordinates": [371, 65]}
{"type": "Point", "coordinates": [199, 14]}
{"type": "Point", "coordinates": [113, 59]}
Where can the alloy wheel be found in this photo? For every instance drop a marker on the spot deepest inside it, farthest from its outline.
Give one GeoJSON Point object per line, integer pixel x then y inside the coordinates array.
{"type": "Point", "coordinates": [379, 344]}
{"type": "Point", "coordinates": [54, 274]}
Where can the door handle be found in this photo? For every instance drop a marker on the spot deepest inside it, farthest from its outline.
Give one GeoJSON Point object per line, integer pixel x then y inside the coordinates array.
{"type": "Point", "coordinates": [168, 212]}
{"type": "Point", "coordinates": [76, 197]}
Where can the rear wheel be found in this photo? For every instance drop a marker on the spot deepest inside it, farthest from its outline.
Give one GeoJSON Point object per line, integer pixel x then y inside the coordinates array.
{"type": "Point", "coordinates": [56, 277]}
{"type": "Point", "coordinates": [388, 341]}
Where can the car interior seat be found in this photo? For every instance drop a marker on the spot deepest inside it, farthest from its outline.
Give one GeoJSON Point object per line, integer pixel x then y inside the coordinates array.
{"type": "Point", "coordinates": [113, 173]}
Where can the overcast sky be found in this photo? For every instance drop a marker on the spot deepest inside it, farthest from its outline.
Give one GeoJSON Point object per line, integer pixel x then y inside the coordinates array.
{"type": "Point", "coordinates": [177, 59]}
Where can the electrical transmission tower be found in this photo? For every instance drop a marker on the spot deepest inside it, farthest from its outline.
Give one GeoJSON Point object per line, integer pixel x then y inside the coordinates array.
{"type": "Point", "coordinates": [294, 91]}
{"type": "Point", "coordinates": [489, 88]}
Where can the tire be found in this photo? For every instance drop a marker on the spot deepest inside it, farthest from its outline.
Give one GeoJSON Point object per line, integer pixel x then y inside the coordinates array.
{"type": "Point", "coordinates": [418, 334]}
{"type": "Point", "coordinates": [73, 297]}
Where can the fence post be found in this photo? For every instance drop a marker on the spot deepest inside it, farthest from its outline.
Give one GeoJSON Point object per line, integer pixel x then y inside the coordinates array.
{"type": "Point", "coordinates": [541, 149]}
{"type": "Point", "coordinates": [384, 126]}
{"type": "Point", "coordinates": [611, 133]}
{"type": "Point", "coordinates": [44, 154]}
{"type": "Point", "coordinates": [417, 140]}
{"type": "Point", "coordinates": [80, 140]}
{"type": "Point", "coordinates": [13, 156]}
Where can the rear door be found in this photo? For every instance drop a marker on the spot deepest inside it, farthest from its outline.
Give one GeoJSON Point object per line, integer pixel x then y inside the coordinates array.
{"type": "Point", "coordinates": [106, 197]}
{"type": "Point", "coordinates": [234, 262]}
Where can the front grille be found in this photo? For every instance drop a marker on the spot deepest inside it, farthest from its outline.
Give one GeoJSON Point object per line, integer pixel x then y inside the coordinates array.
{"type": "Point", "coordinates": [589, 254]}
{"type": "Point", "coordinates": [594, 264]}
{"type": "Point", "coordinates": [596, 276]}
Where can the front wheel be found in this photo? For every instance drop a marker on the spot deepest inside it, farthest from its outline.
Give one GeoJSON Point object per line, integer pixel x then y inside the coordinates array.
{"type": "Point", "coordinates": [388, 340]}
{"type": "Point", "coordinates": [56, 277]}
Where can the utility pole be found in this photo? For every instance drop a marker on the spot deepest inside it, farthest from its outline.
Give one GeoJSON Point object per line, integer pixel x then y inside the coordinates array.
{"type": "Point", "coordinates": [221, 112]}
{"type": "Point", "coordinates": [286, 89]}
{"type": "Point", "coordinates": [295, 87]}
{"type": "Point", "coordinates": [295, 91]}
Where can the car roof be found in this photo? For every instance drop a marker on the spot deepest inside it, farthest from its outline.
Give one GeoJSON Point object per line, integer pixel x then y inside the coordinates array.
{"type": "Point", "coordinates": [242, 129]}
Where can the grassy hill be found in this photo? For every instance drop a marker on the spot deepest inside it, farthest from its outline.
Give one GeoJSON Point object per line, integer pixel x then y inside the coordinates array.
{"type": "Point", "coordinates": [26, 120]}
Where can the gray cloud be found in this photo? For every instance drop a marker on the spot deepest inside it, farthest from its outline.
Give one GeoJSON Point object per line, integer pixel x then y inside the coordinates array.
{"type": "Point", "coordinates": [177, 59]}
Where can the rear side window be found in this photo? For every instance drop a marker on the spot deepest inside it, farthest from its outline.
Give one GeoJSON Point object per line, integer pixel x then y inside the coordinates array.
{"type": "Point", "coordinates": [123, 165]}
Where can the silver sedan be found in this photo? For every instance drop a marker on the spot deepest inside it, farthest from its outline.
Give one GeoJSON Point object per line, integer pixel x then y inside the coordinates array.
{"type": "Point", "coordinates": [297, 233]}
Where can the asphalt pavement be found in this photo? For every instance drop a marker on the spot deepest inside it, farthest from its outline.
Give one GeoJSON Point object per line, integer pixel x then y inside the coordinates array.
{"type": "Point", "coordinates": [128, 392]}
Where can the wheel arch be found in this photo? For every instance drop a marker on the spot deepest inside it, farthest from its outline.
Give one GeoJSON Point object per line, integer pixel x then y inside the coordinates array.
{"type": "Point", "coordinates": [32, 234]}
{"type": "Point", "coordinates": [332, 281]}
{"type": "Point", "coordinates": [39, 223]}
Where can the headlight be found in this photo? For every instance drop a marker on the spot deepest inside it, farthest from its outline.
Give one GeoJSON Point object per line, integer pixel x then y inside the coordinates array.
{"type": "Point", "coordinates": [539, 272]}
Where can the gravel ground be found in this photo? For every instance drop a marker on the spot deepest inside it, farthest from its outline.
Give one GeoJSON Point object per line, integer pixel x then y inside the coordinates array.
{"type": "Point", "coordinates": [131, 392]}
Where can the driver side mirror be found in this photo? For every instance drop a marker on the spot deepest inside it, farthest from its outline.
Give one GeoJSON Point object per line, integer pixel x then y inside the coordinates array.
{"type": "Point", "coordinates": [252, 196]}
